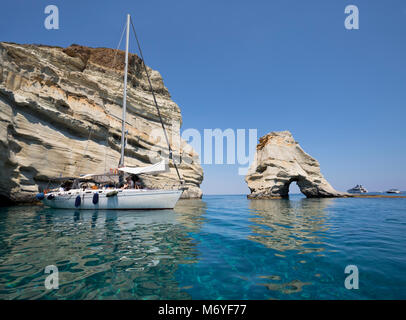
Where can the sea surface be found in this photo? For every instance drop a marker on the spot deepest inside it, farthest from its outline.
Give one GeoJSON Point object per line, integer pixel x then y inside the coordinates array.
{"type": "Point", "coordinates": [220, 247]}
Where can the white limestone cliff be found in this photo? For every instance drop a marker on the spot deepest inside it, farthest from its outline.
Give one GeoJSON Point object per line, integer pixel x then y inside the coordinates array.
{"type": "Point", "coordinates": [278, 162]}
{"type": "Point", "coordinates": [60, 111]}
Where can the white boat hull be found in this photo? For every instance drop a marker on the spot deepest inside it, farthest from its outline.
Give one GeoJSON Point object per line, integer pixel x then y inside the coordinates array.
{"type": "Point", "coordinates": [136, 199]}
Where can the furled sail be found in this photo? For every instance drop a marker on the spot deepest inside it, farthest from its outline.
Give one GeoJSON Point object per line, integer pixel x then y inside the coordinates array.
{"type": "Point", "coordinates": [158, 167]}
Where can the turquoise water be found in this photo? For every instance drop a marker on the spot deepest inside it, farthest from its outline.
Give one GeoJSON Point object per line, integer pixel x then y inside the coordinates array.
{"type": "Point", "coordinates": [221, 247]}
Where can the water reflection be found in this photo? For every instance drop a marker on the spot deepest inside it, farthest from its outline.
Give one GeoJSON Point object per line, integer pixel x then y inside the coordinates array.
{"type": "Point", "coordinates": [191, 213]}
{"type": "Point", "coordinates": [99, 254]}
{"type": "Point", "coordinates": [290, 224]}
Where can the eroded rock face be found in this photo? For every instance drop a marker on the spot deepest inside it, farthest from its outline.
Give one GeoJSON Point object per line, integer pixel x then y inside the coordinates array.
{"type": "Point", "coordinates": [278, 162]}
{"type": "Point", "coordinates": [60, 114]}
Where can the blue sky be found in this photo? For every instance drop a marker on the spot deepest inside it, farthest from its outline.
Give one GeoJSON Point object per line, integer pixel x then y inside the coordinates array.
{"type": "Point", "coordinates": [270, 65]}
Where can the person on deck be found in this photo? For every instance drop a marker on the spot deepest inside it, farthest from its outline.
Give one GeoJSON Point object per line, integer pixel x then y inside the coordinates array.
{"type": "Point", "coordinates": [129, 184]}
{"type": "Point", "coordinates": [75, 184]}
{"type": "Point", "coordinates": [137, 182]}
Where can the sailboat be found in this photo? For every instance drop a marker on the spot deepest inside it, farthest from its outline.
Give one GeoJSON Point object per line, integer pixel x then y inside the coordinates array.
{"type": "Point", "coordinates": [78, 196]}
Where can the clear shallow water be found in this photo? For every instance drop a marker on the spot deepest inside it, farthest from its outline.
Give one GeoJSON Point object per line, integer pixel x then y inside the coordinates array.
{"type": "Point", "coordinates": [221, 247]}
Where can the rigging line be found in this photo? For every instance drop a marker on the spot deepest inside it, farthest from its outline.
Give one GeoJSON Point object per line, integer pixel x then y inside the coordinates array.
{"type": "Point", "coordinates": [156, 103]}
{"type": "Point", "coordinates": [105, 108]}
{"type": "Point", "coordinates": [85, 151]}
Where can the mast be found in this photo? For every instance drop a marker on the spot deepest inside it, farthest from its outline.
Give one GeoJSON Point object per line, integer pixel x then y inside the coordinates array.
{"type": "Point", "coordinates": [121, 164]}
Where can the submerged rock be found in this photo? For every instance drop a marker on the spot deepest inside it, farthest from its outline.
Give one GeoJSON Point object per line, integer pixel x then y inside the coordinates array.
{"type": "Point", "coordinates": [278, 162]}
{"type": "Point", "coordinates": [60, 111]}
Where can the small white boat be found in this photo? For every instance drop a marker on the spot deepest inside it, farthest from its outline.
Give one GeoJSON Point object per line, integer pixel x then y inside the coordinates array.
{"type": "Point", "coordinates": [358, 189]}
{"type": "Point", "coordinates": [393, 191]}
{"type": "Point", "coordinates": [114, 196]}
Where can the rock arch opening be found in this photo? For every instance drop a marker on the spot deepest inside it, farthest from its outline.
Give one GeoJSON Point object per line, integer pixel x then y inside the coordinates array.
{"type": "Point", "coordinates": [293, 188]}
{"type": "Point", "coordinates": [294, 185]}
{"type": "Point", "coordinates": [300, 184]}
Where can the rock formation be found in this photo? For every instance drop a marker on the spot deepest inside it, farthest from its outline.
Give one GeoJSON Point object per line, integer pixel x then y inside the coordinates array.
{"type": "Point", "coordinates": [278, 162]}
{"type": "Point", "coordinates": [60, 114]}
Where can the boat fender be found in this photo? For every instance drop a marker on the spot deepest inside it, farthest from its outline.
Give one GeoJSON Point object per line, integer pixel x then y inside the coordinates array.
{"type": "Point", "coordinates": [40, 196]}
{"type": "Point", "coordinates": [78, 200]}
{"type": "Point", "coordinates": [112, 193]}
{"type": "Point", "coordinates": [51, 197]}
{"type": "Point", "coordinates": [95, 198]}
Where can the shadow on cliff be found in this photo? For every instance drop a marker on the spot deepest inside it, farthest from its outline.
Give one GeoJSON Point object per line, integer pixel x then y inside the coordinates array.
{"type": "Point", "coordinates": [5, 201]}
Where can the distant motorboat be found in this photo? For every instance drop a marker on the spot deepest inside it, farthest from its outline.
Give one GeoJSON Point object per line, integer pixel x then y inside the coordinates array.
{"type": "Point", "coordinates": [358, 189]}
{"type": "Point", "coordinates": [393, 191]}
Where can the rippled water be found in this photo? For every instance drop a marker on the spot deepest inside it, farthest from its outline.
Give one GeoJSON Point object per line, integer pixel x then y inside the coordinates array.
{"type": "Point", "coordinates": [221, 247]}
